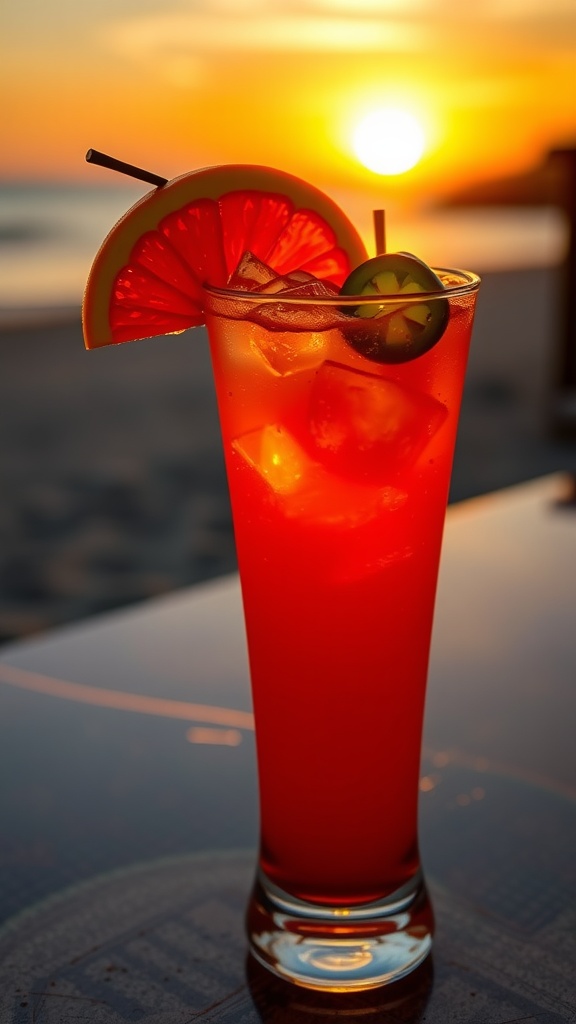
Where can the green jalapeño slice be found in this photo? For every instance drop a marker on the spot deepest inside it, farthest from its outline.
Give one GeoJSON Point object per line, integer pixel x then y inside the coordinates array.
{"type": "Point", "coordinates": [395, 332]}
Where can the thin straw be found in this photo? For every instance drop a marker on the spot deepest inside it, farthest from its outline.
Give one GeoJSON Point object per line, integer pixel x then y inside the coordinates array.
{"type": "Point", "coordinates": [103, 160]}
{"type": "Point", "coordinates": [380, 231]}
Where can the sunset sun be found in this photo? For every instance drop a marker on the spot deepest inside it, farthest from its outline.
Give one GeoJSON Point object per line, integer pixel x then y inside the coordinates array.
{"type": "Point", "coordinates": [389, 141]}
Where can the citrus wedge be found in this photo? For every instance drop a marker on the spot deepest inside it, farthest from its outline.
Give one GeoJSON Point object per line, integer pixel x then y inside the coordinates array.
{"type": "Point", "coordinates": [147, 277]}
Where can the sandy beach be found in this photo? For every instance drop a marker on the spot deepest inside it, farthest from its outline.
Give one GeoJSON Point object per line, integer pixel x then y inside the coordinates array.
{"type": "Point", "coordinates": [112, 482]}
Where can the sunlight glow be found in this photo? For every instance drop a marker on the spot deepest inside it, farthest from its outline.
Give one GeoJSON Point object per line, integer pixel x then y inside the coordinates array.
{"type": "Point", "coordinates": [156, 37]}
{"type": "Point", "coordinates": [389, 141]}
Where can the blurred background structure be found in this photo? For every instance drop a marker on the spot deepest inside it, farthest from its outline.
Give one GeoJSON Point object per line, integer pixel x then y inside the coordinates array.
{"type": "Point", "coordinates": [112, 487]}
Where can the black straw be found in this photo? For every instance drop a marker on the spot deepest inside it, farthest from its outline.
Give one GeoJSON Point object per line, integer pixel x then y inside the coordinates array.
{"type": "Point", "coordinates": [103, 160]}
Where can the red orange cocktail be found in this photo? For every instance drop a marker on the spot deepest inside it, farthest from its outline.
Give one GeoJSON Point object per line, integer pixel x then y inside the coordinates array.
{"type": "Point", "coordinates": [339, 469]}
{"type": "Point", "coordinates": [338, 414]}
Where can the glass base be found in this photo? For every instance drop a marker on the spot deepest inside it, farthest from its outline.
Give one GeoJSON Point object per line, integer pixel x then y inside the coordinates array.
{"type": "Point", "coordinates": [340, 949]}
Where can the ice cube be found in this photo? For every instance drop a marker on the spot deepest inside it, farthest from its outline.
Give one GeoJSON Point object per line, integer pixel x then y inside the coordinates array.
{"type": "Point", "coordinates": [289, 282]}
{"type": "Point", "coordinates": [276, 455]}
{"type": "Point", "coordinates": [287, 353]}
{"type": "Point", "coordinates": [304, 488]}
{"type": "Point", "coordinates": [251, 274]}
{"type": "Point", "coordinates": [285, 315]}
{"type": "Point", "coordinates": [292, 337]}
{"type": "Point", "coordinates": [329, 500]}
{"type": "Point", "coordinates": [368, 427]}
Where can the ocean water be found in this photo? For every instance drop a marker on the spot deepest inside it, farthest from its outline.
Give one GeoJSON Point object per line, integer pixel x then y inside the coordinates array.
{"type": "Point", "coordinates": [49, 234]}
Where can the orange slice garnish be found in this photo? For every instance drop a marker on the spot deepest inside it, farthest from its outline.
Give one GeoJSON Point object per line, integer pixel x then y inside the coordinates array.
{"type": "Point", "coordinates": [148, 276]}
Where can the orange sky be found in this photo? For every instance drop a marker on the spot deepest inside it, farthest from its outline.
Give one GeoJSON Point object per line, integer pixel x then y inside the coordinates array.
{"type": "Point", "coordinates": [173, 84]}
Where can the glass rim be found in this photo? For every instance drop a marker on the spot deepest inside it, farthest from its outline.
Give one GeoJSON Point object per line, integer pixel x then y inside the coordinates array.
{"type": "Point", "coordinates": [469, 282]}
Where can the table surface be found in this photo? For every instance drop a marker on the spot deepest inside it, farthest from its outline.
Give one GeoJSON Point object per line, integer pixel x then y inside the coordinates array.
{"type": "Point", "coordinates": [128, 813]}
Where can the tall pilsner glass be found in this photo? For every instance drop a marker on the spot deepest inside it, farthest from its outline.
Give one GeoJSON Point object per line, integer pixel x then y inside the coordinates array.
{"type": "Point", "coordinates": [339, 465]}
